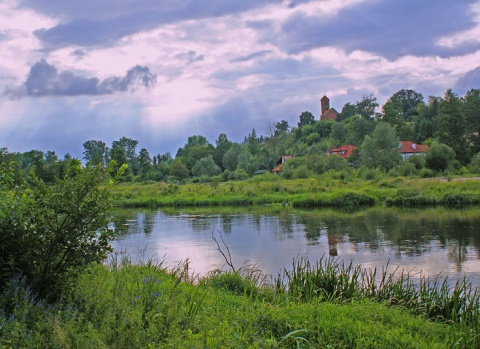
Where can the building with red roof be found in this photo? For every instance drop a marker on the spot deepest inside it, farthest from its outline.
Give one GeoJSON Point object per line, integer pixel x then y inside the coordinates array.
{"type": "Point", "coordinates": [408, 149]}
{"type": "Point", "coordinates": [345, 151]}
{"type": "Point", "coordinates": [327, 112]}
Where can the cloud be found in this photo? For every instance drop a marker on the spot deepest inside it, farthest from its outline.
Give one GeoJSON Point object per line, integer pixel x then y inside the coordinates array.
{"type": "Point", "coordinates": [190, 57]}
{"type": "Point", "coordinates": [470, 80]}
{"type": "Point", "coordinates": [251, 56]}
{"type": "Point", "coordinates": [90, 23]}
{"type": "Point", "coordinates": [45, 80]}
{"type": "Point", "coordinates": [391, 28]}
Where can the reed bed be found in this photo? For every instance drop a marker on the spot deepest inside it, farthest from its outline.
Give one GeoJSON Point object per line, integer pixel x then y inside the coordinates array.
{"type": "Point", "coordinates": [332, 279]}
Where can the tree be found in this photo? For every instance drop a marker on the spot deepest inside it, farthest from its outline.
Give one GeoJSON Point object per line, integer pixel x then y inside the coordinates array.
{"type": "Point", "coordinates": [119, 156]}
{"type": "Point", "coordinates": [357, 129]}
{"type": "Point", "coordinates": [49, 233]}
{"type": "Point", "coordinates": [348, 111]}
{"type": "Point", "coordinates": [427, 121]}
{"type": "Point", "coordinates": [366, 106]}
{"type": "Point", "coordinates": [452, 128]}
{"type": "Point", "coordinates": [222, 145]}
{"type": "Point", "coordinates": [381, 149]}
{"type": "Point", "coordinates": [471, 110]}
{"type": "Point", "coordinates": [439, 157]}
{"type": "Point", "coordinates": [129, 145]}
{"type": "Point", "coordinates": [206, 167]}
{"type": "Point", "coordinates": [95, 152]}
{"type": "Point", "coordinates": [338, 133]}
{"type": "Point", "coordinates": [230, 159]}
{"type": "Point", "coordinates": [197, 147]}
{"type": "Point", "coordinates": [401, 106]}
{"type": "Point", "coordinates": [306, 118]}
{"type": "Point", "coordinates": [281, 127]}
{"type": "Point", "coordinates": [144, 161]}
{"type": "Point", "coordinates": [178, 170]}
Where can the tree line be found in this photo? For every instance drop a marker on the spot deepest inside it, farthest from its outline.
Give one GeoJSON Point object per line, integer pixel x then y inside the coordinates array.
{"type": "Point", "coordinates": [450, 125]}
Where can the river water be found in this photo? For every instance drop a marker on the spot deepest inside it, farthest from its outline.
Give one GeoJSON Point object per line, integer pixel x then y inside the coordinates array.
{"type": "Point", "coordinates": [431, 241]}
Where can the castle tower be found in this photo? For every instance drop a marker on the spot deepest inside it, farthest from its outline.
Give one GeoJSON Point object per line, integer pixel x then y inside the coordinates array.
{"type": "Point", "coordinates": [325, 104]}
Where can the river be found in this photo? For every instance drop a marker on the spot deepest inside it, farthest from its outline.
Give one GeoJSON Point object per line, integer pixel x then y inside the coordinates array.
{"type": "Point", "coordinates": [431, 241]}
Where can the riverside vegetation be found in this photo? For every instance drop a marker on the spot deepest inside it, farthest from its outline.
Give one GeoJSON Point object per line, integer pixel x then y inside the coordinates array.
{"type": "Point", "coordinates": [55, 292]}
{"type": "Point", "coordinates": [332, 189]}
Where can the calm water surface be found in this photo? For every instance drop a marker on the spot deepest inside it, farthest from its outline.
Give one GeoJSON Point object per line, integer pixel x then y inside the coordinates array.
{"type": "Point", "coordinates": [432, 241]}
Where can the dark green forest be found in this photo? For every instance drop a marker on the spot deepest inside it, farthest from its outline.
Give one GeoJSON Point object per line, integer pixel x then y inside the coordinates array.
{"type": "Point", "coordinates": [449, 125]}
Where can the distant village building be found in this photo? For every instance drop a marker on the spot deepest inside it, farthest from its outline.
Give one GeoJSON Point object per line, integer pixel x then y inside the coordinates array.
{"type": "Point", "coordinates": [280, 162]}
{"type": "Point", "coordinates": [408, 149]}
{"type": "Point", "coordinates": [345, 151]}
{"type": "Point", "coordinates": [327, 112]}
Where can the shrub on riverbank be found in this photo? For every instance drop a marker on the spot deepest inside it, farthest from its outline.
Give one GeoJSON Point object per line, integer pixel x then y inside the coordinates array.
{"type": "Point", "coordinates": [313, 192]}
{"type": "Point", "coordinates": [126, 306]}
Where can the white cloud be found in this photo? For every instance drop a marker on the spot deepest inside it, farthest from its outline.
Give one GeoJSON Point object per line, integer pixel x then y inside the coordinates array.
{"type": "Point", "coordinates": [467, 36]}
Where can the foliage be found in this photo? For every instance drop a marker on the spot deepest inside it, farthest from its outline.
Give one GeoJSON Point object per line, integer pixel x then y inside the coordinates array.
{"type": "Point", "coordinates": [179, 170]}
{"type": "Point", "coordinates": [49, 233]}
{"type": "Point", "coordinates": [475, 164]}
{"type": "Point", "coordinates": [452, 128]}
{"type": "Point", "coordinates": [381, 150]}
{"type": "Point", "coordinates": [439, 157]}
{"type": "Point", "coordinates": [306, 118]}
{"type": "Point", "coordinates": [150, 306]}
{"type": "Point", "coordinates": [206, 167]}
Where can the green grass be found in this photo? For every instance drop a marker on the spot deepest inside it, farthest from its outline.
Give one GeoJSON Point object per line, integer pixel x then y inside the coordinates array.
{"type": "Point", "coordinates": [302, 193]}
{"type": "Point", "coordinates": [121, 305]}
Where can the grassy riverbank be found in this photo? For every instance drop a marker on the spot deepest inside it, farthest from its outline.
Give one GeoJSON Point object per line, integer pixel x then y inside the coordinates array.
{"type": "Point", "coordinates": [307, 193]}
{"type": "Point", "coordinates": [314, 306]}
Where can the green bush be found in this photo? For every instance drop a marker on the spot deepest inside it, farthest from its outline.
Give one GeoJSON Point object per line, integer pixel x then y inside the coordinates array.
{"type": "Point", "coordinates": [408, 169]}
{"type": "Point", "coordinates": [474, 166]}
{"type": "Point", "coordinates": [49, 233]}
{"type": "Point", "coordinates": [426, 173]}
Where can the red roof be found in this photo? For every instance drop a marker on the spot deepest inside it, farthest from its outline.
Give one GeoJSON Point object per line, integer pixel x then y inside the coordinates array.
{"type": "Point", "coordinates": [407, 147]}
{"type": "Point", "coordinates": [330, 114]}
{"type": "Point", "coordinates": [278, 168]}
{"type": "Point", "coordinates": [345, 151]}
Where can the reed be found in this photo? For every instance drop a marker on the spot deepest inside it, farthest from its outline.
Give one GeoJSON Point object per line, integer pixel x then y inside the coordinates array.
{"type": "Point", "coordinates": [333, 279]}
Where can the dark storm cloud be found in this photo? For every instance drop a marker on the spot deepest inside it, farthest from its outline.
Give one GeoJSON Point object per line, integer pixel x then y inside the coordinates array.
{"type": "Point", "coordinates": [190, 57]}
{"type": "Point", "coordinates": [93, 23]}
{"type": "Point", "coordinates": [470, 80]}
{"type": "Point", "coordinates": [251, 56]}
{"type": "Point", "coordinates": [390, 28]}
{"type": "Point", "coordinates": [45, 80]}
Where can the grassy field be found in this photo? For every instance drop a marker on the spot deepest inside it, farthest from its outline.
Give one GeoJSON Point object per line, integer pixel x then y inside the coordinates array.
{"type": "Point", "coordinates": [324, 305]}
{"type": "Point", "coordinates": [306, 193]}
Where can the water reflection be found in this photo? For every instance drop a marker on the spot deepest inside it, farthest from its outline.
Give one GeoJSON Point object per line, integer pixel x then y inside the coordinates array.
{"type": "Point", "coordinates": [437, 240]}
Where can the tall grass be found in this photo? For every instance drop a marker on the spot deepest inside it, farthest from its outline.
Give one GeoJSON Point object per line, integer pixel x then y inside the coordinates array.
{"type": "Point", "coordinates": [305, 193]}
{"type": "Point", "coordinates": [333, 279]}
{"type": "Point", "coordinates": [121, 305]}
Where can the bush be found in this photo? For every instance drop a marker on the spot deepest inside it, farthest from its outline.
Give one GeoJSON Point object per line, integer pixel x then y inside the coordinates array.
{"type": "Point", "coordinates": [408, 169]}
{"type": "Point", "coordinates": [49, 233]}
{"type": "Point", "coordinates": [474, 166]}
{"type": "Point", "coordinates": [302, 172]}
{"type": "Point", "coordinates": [439, 157]}
{"type": "Point", "coordinates": [426, 173]}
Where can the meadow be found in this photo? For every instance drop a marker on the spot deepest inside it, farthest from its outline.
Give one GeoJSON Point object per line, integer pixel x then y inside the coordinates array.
{"type": "Point", "coordinates": [322, 191]}
{"type": "Point", "coordinates": [327, 304]}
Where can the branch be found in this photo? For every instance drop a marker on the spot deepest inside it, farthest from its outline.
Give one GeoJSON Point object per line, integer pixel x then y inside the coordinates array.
{"type": "Point", "coordinates": [229, 259]}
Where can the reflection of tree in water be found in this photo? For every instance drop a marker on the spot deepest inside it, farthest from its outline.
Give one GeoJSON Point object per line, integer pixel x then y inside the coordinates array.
{"type": "Point", "coordinates": [122, 221]}
{"type": "Point", "coordinates": [148, 221]}
{"type": "Point", "coordinates": [457, 253]}
{"type": "Point", "coordinates": [202, 223]}
{"type": "Point", "coordinates": [312, 226]}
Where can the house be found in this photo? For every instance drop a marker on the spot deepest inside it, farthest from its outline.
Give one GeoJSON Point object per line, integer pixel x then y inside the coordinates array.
{"type": "Point", "coordinates": [280, 162]}
{"type": "Point", "coordinates": [345, 151]}
{"type": "Point", "coordinates": [327, 112]}
{"type": "Point", "coordinates": [408, 149]}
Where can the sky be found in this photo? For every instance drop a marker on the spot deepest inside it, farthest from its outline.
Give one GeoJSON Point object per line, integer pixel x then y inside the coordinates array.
{"type": "Point", "coordinates": [159, 71]}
